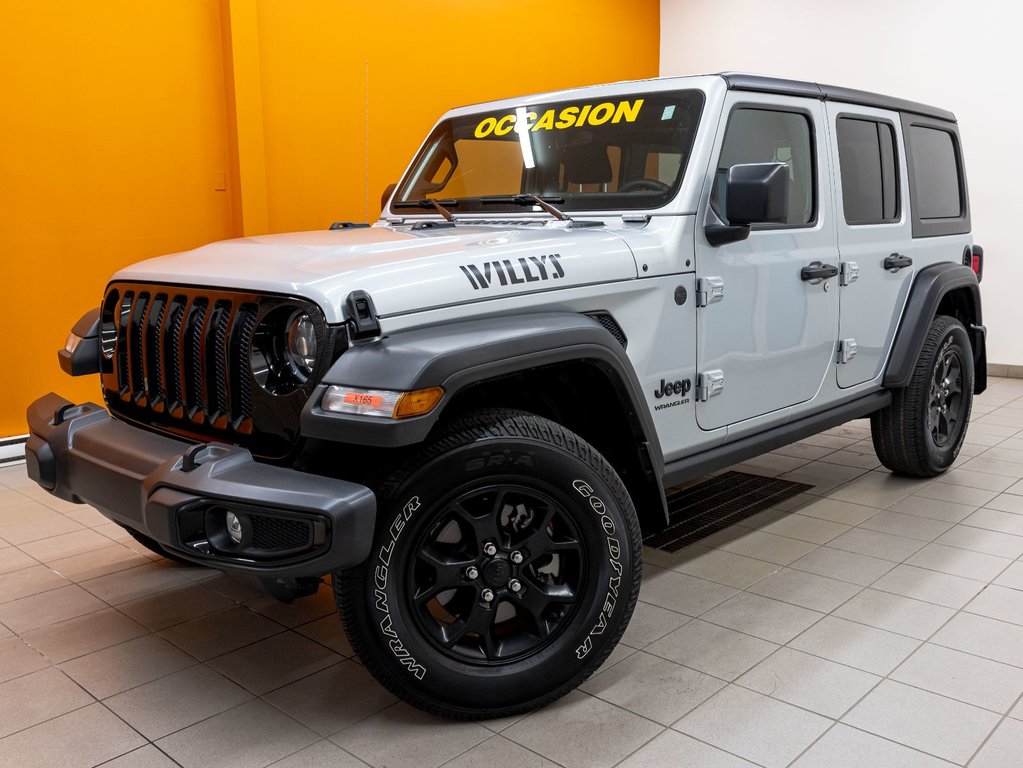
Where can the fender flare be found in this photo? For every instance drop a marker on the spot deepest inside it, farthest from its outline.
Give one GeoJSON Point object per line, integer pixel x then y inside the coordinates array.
{"type": "Point", "coordinates": [930, 286]}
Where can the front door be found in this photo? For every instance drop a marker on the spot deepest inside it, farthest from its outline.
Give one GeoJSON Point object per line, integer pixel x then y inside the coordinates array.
{"type": "Point", "coordinates": [772, 335]}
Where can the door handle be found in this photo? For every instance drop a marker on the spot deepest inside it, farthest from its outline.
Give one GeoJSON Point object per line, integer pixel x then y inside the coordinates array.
{"type": "Point", "coordinates": [817, 271]}
{"type": "Point", "coordinates": [897, 261]}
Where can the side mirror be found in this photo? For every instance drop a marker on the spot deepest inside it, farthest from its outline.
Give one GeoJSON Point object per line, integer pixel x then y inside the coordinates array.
{"type": "Point", "coordinates": [388, 191]}
{"type": "Point", "coordinates": [754, 193]}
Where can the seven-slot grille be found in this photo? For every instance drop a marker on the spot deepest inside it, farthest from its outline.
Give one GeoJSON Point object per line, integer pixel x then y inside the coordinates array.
{"type": "Point", "coordinates": [181, 363]}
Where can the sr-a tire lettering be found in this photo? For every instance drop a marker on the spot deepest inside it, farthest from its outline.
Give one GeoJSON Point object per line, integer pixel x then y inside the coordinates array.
{"type": "Point", "coordinates": [380, 573]}
{"type": "Point", "coordinates": [614, 549]}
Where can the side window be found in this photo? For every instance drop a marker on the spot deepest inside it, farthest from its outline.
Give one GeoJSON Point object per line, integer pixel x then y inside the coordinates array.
{"type": "Point", "coordinates": [935, 173]}
{"type": "Point", "coordinates": [770, 136]}
{"type": "Point", "coordinates": [866, 156]}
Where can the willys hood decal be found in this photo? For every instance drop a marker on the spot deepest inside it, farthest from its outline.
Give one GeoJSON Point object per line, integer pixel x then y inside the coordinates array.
{"type": "Point", "coordinates": [404, 270]}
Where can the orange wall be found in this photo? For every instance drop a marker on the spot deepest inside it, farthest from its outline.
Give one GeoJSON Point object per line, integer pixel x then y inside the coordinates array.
{"type": "Point", "coordinates": [119, 121]}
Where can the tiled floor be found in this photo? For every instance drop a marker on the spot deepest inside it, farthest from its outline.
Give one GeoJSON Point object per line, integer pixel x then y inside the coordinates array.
{"type": "Point", "coordinates": [874, 621]}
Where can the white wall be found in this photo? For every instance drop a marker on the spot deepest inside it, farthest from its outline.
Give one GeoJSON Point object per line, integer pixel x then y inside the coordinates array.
{"type": "Point", "coordinates": [963, 56]}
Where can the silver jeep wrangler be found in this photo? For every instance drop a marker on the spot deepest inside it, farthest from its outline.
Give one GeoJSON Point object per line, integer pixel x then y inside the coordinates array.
{"type": "Point", "coordinates": [467, 412]}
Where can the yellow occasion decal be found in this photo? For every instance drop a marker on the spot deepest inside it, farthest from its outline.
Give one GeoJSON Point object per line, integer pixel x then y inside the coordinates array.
{"type": "Point", "coordinates": [568, 117]}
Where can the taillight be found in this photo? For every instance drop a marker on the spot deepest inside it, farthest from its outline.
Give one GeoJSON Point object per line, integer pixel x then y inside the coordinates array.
{"type": "Point", "coordinates": [973, 257]}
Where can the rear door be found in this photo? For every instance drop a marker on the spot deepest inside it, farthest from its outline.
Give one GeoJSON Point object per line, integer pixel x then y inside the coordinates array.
{"type": "Point", "coordinates": [874, 235]}
{"type": "Point", "coordinates": [771, 336]}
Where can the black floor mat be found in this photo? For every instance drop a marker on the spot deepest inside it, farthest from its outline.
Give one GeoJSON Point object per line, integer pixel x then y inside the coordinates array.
{"type": "Point", "coordinates": [699, 510]}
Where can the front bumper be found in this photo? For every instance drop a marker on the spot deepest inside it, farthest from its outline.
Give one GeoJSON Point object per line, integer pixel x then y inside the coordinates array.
{"type": "Point", "coordinates": [295, 524]}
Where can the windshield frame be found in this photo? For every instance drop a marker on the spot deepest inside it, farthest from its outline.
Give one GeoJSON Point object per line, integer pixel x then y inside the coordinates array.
{"type": "Point", "coordinates": [601, 203]}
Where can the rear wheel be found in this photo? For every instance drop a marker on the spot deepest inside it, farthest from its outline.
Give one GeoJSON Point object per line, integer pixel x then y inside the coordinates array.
{"type": "Point", "coordinates": [505, 568]}
{"type": "Point", "coordinates": [921, 432]}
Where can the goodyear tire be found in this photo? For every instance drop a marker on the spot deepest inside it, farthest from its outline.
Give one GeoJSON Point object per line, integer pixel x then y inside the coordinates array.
{"type": "Point", "coordinates": [506, 566]}
{"type": "Point", "coordinates": [921, 432]}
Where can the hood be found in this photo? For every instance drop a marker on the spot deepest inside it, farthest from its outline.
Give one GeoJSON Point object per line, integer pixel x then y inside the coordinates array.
{"type": "Point", "coordinates": [402, 269]}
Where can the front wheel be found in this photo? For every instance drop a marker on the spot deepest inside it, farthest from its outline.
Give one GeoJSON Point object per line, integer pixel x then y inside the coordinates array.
{"type": "Point", "coordinates": [921, 432]}
{"type": "Point", "coordinates": [505, 567]}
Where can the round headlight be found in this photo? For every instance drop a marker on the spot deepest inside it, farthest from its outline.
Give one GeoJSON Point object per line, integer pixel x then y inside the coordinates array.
{"type": "Point", "coordinates": [302, 343]}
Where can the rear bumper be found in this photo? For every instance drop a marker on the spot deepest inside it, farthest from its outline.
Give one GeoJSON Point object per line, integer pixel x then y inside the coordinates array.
{"type": "Point", "coordinates": [294, 524]}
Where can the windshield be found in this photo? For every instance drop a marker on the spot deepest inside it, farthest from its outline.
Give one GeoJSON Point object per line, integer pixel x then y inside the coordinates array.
{"type": "Point", "coordinates": [582, 155]}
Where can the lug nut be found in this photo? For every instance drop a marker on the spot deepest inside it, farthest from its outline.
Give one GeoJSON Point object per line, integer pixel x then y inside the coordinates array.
{"type": "Point", "coordinates": [487, 595]}
{"type": "Point", "coordinates": [514, 585]}
{"type": "Point", "coordinates": [516, 557]}
{"type": "Point", "coordinates": [471, 572]}
{"type": "Point", "coordinates": [489, 549]}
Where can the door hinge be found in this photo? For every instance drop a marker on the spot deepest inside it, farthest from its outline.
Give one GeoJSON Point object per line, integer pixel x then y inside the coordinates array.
{"type": "Point", "coordinates": [709, 290]}
{"type": "Point", "coordinates": [709, 384]}
{"type": "Point", "coordinates": [850, 273]}
{"type": "Point", "coordinates": [846, 350]}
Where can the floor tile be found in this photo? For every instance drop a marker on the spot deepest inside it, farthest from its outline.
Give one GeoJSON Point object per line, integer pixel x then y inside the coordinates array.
{"type": "Point", "coordinates": [981, 480]}
{"type": "Point", "coordinates": [13, 559]}
{"type": "Point", "coordinates": [329, 632]}
{"type": "Point", "coordinates": [678, 592]}
{"type": "Point", "coordinates": [983, 636]}
{"type": "Point", "coordinates": [838, 511]}
{"type": "Point", "coordinates": [298, 612]}
{"type": "Point", "coordinates": [804, 589]}
{"type": "Point", "coordinates": [895, 613]}
{"type": "Point", "coordinates": [44, 526]}
{"type": "Point", "coordinates": [780, 550]}
{"type": "Point", "coordinates": [332, 698]}
{"type": "Point", "coordinates": [18, 658]}
{"type": "Point", "coordinates": [762, 617]}
{"type": "Point", "coordinates": [120, 667]}
{"type": "Point", "coordinates": [134, 583]}
{"type": "Point", "coordinates": [58, 547]}
{"type": "Point", "coordinates": [995, 520]}
{"type": "Point", "coordinates": [934, 724]}
{"type": "Point", "coordinates": [144, 757]}
{"type": "Point", "coordinates": [876, 544]}
{"type": "Point", "coordinates": [718, 651]}
{"type": "Point", "coordinates": [176, 701]}
{"type": "Point", "coordinates": [980, 540]}
{"type": "Point", "coordinates": [273, 662]}
{"type": "Point", "coordinates": [753, 726]}
{"type": "Point", "coordinates": [810, 682]}
{"type": "Point", "coordinates": [1006, 502]}
{"type": "Point", "coordinates": [51, 607]}
{"type": "Point", "coordinates": [85, 737]}
{"type": "Point", "coordinates": [877, 489]}
{"type": "Point", "coordinates": [1011, 577]}
{"type": "Point", "coordinates": [845, 566]}
{"type": "Point", "coordinates": [29, 581]}
{"type": "Point", "coordinates": [959, 562]}
{"type": "Point", "coordinates": [650, 623]}
{"type": "Point", "coordinates": [84, 634]}
{"type": "Point", "coordinates": [1002, 748]}
{"type": "Point", "coordinates": [929, 586]}
{"type": "Point", "coordinates": [944, 511]}
{"type": "Point", "coordinates": [998, 603]}
{"type": "Point", "coordinates": [403, 737]}
{"type": "Point", "coordinates": [220, 633]}
{"type": "Point", "coordinates": [962, 676]}
{"type": "Point", "coordinates": [653, 687]}
{"type": "Point", "coordinates": [580, 731]}
{"type": "Point", "coordinates": [907, 526]}
{"type": "Point", "coordinates": [958, 494]}
{"type": "Point", "coordinates": [806, 528]}
{"type": "Point", "coordinates": [178, 604]}
{"type": "Point", "coordinates": [36, 698]}
{"type": "Point", "coordinates": [847, 642]}
{"type": "Point", "coordinates": [97, 562]}
{"type": "Point", "coordinates": [724, 567]}
{"type": "Point", "coordinates": [845, 747]}
{"type": "Point", "coordinates": [322, 754]}
{"type": "Point", "coordinates": [251, 734]}
{"type": "Point", "coordinates": [672, 749]}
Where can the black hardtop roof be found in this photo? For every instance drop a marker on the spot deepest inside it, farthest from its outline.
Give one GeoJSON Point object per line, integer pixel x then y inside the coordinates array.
{"type": "Point", "coordinates": [741, 81]}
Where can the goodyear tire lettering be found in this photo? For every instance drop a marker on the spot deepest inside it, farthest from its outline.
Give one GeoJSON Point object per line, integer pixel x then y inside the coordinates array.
{"type": "Point", "coordinates": [614, 550]}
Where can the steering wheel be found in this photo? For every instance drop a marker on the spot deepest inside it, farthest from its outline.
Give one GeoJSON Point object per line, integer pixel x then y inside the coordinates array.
{"type": "Point", "coordinates": [644, 185]}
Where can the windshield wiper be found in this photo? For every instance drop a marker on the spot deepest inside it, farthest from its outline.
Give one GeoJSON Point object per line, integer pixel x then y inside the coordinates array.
{"type": "Point", "coordinates": [545, 203]}
{"type": "Point", "coordinates": [428, 202]}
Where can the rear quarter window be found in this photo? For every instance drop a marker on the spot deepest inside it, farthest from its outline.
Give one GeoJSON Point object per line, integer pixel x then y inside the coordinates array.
{"type": "Point", "coordinates": [937, 183]}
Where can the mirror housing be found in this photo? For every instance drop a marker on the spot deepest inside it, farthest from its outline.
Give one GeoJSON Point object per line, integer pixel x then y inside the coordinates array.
{"type": "Point", "coordinates": [754, 193]}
